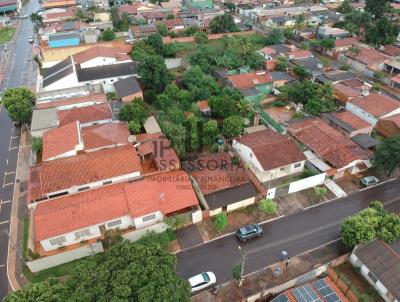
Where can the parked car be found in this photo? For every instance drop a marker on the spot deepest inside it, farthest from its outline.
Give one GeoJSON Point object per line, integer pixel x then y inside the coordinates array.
{"type": "Point", "coordinates": [248, 232]}
{"type": "Point", "coordinates": [369, 181]}
{"type": "Point", "coordinates": [202, 281]}
{"type": "Point", "coordinates": [31, 39]}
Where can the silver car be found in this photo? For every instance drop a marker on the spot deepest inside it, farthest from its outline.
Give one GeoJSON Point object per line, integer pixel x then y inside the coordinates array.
{"type": "Point", "coordinates": [369, 181]}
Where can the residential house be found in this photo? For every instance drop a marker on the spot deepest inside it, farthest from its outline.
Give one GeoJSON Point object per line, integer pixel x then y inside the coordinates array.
{"type": "Point", "coordinates": [280, 78]}
{"type": "Point", "coordinates": [156, 153]}
{"type": "Point", "coordinates": [130, 206]}
{"type": "Point", "coordinates": [128, 89]}
{"type": "Point", "coordinates": [174, 25]}
{"type": "Point", "coordinates": [269, 154]}
{"type": "Point", "coordinates": [64, 40]}
{"type": "Point", "coordinates": [142, 30]}
{"type": "Point", "coordinates": [379, 264]}
{"type": "Point", "coordinates": [280, 21]}
{"type": "Point", "coordinates": [341, 46]}
{"type": "Point", "coordinates": [204, 107]}
{"type": "Point", "coordinates": [74, 102]}
{"type": "Point", "coordinates": [395, 81]}
{"type": "Point", "coordinates": [348, 123]}
{"type": "Point", "coordinates": [58, 3]}
{"type": "Point", "coordinates": [154, 16]}
{"type": "Point", "coordinates": [7, 6]}
{"type": "Point", "coordinates": [46, 119]}
{"type": "Point", "coordinates": [345, 93]}
{"type": "Point", "coordinates": [331, 32]}
{"type": "Point", "coordinates": [253, 85]}
{"type": "Point", "coordinates": [72, 139]}
{"type": "Point", "coordinates": [219, 184]}
{"type": "Point", "coordinates": [56, 15]}
{"type": "Point", "coordinates": [323, 290]}
{"type": "Point", "coordinates": [334, 148]}
{"type": "Point", "coordinates": [373, 107]}
{"type": "Point", "coordinates": [82, 172]}
{"type": "Point", "coordinates": [100, 56]}
{"type": "Point", "coordinates": [389, 126]}
{"type": "Point", "coordinates": [365, 59]}
{"type": "Point", "coordinates": [313, 65]}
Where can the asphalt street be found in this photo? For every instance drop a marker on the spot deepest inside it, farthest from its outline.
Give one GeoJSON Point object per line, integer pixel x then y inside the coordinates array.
{"type": "Point", "coordinates": [297, 233]}
{"type": "Point", "coordinates": [17, 75]}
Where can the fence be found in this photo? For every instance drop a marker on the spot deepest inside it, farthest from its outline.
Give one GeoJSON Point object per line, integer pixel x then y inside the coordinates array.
{"type": "Point", "coordinates": [344, 288]}
{"type": "Point", "coordinates": [135, 235]}
{"type": "Point", "coordinates": [265, 118]}
{"type": "Point", "coordinates": [307, 183]}
{"type": "Point", "coordinates": [67, 256]}
{"type": "Point", "coordinates": [168, 40]}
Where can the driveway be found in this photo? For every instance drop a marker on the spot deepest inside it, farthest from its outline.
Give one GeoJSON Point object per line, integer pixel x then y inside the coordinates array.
{"type": "Point", "coordinates": [188, 236]}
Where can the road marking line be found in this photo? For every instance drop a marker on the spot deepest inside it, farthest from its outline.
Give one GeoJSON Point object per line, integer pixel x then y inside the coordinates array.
{"type": "Point", "coordinates": [12, 148]}
{"type": "Point", "coordinates": [2, 265]}
{"type": "Point", "coordinates": [9, 184]}
{"type": "Point", "coordinates": [8, 173]}
{"type": "Point", "coordinates": [4, 222]}
{"type": "Point", "coordinates": [12, 137]}
{"type": "Point", "coordinates": [8, 201]}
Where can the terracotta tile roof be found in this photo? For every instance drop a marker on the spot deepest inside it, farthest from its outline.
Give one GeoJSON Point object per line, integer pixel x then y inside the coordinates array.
{"type": "Point", "coordinates": [345, 42]}
{"type": "Point", "coordinates": [394, 118]}
{"type": "Point", "coordinates": [346, 90]}
{"type": "Point", "coordinates": [127, 8]}
{"type": "Point", "coordinates": [353, 83]}
{"type": "Point", "coordinates": [368, 56]}
{"type": "Point", "coordinates": [352, 120]}
{"type": "Point", "coordinates": [334, 147]}
{"type": "Point", "coordinates": [85, 114]}
{"type": "Point", "coordinates": [60, 140]}
{"type": "Point", "coordinates": [173, 22]}
{"type": "Point", "coordinates": [91, 98]}
{"type": "Point", "coordinates": [375, 104]}
{"type": "Point", "coordinates": [249, 80]}
{"type": "Point", "coordinates": [272, 149]}
{"type": "Point", "coordinates": [58, 3]}
{"type": "Point", "coordinates": [396, 78]}
{"type": "Point", "coordinates": [77, 211]}
{"type": "Point", "coordinates": [166, 192]}
{"type": "Point", "coordinates": [104, 135]}
{"type": "Point", "coordinates": [100, 51]}
{"type": "Point", "coordinates": [391, 50]}
{"type": "Point", "coordinates": [216, 172]}
{"type": "Point", "coordinates": [300, 54]}
{"type": "Point", "coordinates": [203, 105]}
{"type": "Point", "coordinates": [86, 168]}
{"type": "Point", "coordinates": [67, 14]}
{"type": "Point", "coordinates": [159, 147]}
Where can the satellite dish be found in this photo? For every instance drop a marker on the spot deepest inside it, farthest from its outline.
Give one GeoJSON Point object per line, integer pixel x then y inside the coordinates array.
{"type": "Point", "coordinates": [319, 65]}
{"type": "Point", "coordinates": [132, 138]}
{"type": "Point", "coordinates": [220, 141]}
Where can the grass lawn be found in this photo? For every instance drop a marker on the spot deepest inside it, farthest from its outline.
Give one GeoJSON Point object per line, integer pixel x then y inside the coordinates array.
{"type": "Point", "coordinates": [6, 34]}
{"type": "Point", "coordinates": [53, 272]}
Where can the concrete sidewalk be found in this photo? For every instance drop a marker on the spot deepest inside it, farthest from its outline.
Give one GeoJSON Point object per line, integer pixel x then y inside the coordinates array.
{"type": "Point", "coordinates": [334, 188]}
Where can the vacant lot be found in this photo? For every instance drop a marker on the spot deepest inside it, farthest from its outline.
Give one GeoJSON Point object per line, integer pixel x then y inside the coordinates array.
{"type": "Point", "coordinates": [6, 34]}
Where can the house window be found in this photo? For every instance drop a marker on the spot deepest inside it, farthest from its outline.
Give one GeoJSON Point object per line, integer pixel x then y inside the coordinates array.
{"type": "Point", "coordinates": [372, 276]}
{"type": "Point", "coordinates": [149, 217]}
{"type": "Point", "coordinates": [80, 234]}
{"type": "Point", "coordinates": [114, 223]}
{"type": "Point", "coordinates": [298, 165]}
{"type": "Point", "coordinates": [58, 240]}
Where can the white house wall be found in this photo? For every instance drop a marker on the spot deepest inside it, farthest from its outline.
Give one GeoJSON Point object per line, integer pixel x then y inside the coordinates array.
{"type": "Point", "coordinates": [139, 223]}
{"type": "Point", "coordinates": [361, 113]}
{"type": "Point", "coordinates": [100, 61]}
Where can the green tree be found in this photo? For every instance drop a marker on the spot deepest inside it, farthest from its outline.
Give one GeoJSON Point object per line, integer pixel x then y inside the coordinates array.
{"type": "Point", "coordinates": [345, 7]}
{"type": "Point", "coordinates": [382, 32]}
{"type": "Point", "coordinates": [108, 35]}
{"type": "Point", "coordinates": [231, 6]}
{"type": "Point", "coordinates": [170, 17]}
{"type": "Point", "coordinates": [320, 192]}
{"type": "Point", "coordinates": [301, 72]}
{"type": "Point", "coordinates": [210, 132]}
{"type": "Point", "coordinates": [134, 126]}
{"type": "Point", "coordinates": [387, 155]}
{"type": "Point", "coordinates": [220, 221]}
{"type": "Point", "coordinates": [300, 23]}
{"type": "Point", "coordinates": [201, 86]}
{"type": "Point", "coordinates": [268, 206]}
{"type": "Point", "coordinates": [19, 104]}
{"type": "Point", "coordinates": [282, 63]}
{"type": "Point", "coordinates": [200, 37]}
{"type": "Point", "coordinates": [37, 144]}
{"type": "Point", "coordinates": [162, 30]}
{"type": "Point", "coordinates": [376, 7]}
{"type": "Point", "coordinates": [135, 111]}
{"type": "Point", "coordinates": [155, 41]}
{"type": "Point", "coordinates": [237, 271]}
{"type": "Point", "coordinates": [275, 36]}
{"type": "Point", "coordinates": [36, 20]}
{"type": "Point", "coordinates": [141, 50]}
{"type": "Point", "coordinates": [232, 126]}
{"type": "Point", "coordinates": [114, 15]}
{"type": "Point", "coordinates": [223, 24]}
{"type": "Point", "coordinates": [154, 73]}
{"type": "Point", "coordinates": [79, 14]}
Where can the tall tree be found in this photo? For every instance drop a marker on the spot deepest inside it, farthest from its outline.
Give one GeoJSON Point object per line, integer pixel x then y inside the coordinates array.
{"type": "Point", "coordinates": [382, 32]}
{"type": "Point", "coordinates": [387, 155]}
{"type": "Point", "coordinates": [223, 24]}
{"type": "Point", "coordinates": [345, 7]}
{"type": "Point", "coordinates": [376, 7]}
{"type": "Point", "coordinates": [275, 36]}
{"type": "Point", "coordinates": [154, 73]}
{"type": "Point", "coordinates": [19, 104]}
{"type": "Point", "coordinates": [232, 126]}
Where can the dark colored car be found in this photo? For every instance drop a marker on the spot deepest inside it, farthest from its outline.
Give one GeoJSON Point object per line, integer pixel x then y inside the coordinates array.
{"type": "Point", "coordinates": [248, 232]}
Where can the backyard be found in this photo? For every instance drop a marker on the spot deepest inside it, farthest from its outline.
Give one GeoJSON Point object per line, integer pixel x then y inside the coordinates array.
{"type": "Point", "coordinates": [6, 34]}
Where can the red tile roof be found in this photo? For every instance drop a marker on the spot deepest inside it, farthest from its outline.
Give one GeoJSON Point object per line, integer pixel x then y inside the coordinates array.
{"type": "Point", "coordinates": [167, 192]}
{"type": "Point", "coordinates": [105, 135]}
{"type": "Point", "coordinates": [300, 54]}
{"type": "Point", "coordinates": [249, 80]}
{"type": "Point", "coordinates": [345, 42]}
{"type": "Point", "coordinates": [173, 22]}
{"type": "Point", "coordinates": [344, 90]}
{"type": "Point", "coordinates": [57, 16]}
{"type": "Point", "coordinates": [86, 168]}
{"type": "Point", "coordinates": [60, 140]}
{"type": "Point", "coordinates": [100, 51]}
{"type": "Point", "coordinates": [91, 98]}
{"type": "Point", "coordinates": [215, 172]}
{"type": "Point", "coordinates": [396, 78]}
{"type": "Point", "coordinates": [272, 149]}
{"type": "Point", "coordinates": [352, 120]}
{"type": "Point", "coordinates": [375, 104]}
{"type": "Point", "coordinates": [87, 114]}
{"type": "Point", "coordinates": [334, 147]}
{"type": "Point", "coordinates": [353, 83]}
{"type": "Point", "coordinates": [368, 56]}
{"type": "Point", "coordinates": [391, 50]}
{"type": "Point", "coordinates": [394, 118]}
{"type": "Point", "coordinates": [203, 105]}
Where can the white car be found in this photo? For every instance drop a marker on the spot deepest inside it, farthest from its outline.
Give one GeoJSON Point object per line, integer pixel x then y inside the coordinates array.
{"type": "Point", "coordinates": [202, 281]}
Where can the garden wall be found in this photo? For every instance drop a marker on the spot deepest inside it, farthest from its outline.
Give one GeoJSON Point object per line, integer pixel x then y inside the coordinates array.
{"type": "Point", "coordinates": [168, 40]}
{"type": "Point", "coordinates": [307, 183]}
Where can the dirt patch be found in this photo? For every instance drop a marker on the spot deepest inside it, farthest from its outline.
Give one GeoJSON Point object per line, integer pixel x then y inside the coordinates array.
{"type": "Point", "coordinates": [279, 114]}
{"type": "Point", "coordinates": [349, 183]}
{"type": "Point", "coordinates": [236, 219]}
{"type": "Point", "coordinates": [297, 201]}
{"type": "Point", "coordinates": [357, 283]}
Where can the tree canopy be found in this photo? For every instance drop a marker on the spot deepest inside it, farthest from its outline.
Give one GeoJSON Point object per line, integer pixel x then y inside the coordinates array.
{"type": "Point", "coordinates": [376, 7]}
{"type": "Point", "coordinates": [200, 86]}
{"type": "Point", "coordinates": [126, 272]}
{"type": "Point", "coordinates": [135, 111]}
{"type": "Point", "coordinates": [275, 36]}
{"type": "Point", "coordinates": [108, 35]}
{"type": "Point", "coordinates": [223, 24]}
{"type": "Point", "coordinates": [370, 223]}
{"type": "Point", "coordinates": [19, 104]}
{"type": "Point", "coordinates": [232, 126]}
{"type": "Point", "coordinates": [154, 73]}
{"type": "Point", "coordinates": [387, 155]}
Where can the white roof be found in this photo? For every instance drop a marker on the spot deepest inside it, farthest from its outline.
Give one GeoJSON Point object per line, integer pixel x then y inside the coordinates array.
{"type": "Point", "coordinates": [151, 126]}
{"type": "Point", "coordinates": [319, 164]}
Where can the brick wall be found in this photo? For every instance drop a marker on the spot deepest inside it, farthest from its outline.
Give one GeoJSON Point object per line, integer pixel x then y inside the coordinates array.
{"type": "Point", "coordinates": [168, 40]}
{"type": "Point", "coordinates": [344, 288]}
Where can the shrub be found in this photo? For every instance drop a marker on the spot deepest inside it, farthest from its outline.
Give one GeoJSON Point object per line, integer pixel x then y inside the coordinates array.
{"type": "Point", "coordinates": [268, 206]}
{"type": "Point", "coordinates": [235, 161]}
{"type": "Point", "coordinates": [108, 35]}
{"type": "Point", "coordinates": [112, 237]}
{"type": "Point", "coordinates": [153, 238]}
{"type": "Point", "coordinates": [319, 192]}
{"type": "Point", "coordinates": [279, 103]}
{"type": "Point", "coordinates": [175, 221]}
{"type": "Point", "coordinates": [37, 144]}
{"type": "Point", "coordinates": [307, 173]}
{"type": "Point", "coordinates": [237, 271]}
{"type": "Point", "coordinates": [134, 127]}
{"type": "Point", "coordinates": [376, 87]}
{"type": "Point", "coordinates": [214, 148]}
{"type": "Point", "coordinates": [220, 221]}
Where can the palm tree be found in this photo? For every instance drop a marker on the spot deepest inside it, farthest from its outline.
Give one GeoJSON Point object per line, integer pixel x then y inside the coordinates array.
{"type": "Point", "coordinates": [244, 108]}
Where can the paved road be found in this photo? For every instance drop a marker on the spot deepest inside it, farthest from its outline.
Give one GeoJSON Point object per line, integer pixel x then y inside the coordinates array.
{"type": "Point", "coordinates": [295, 233]}
{"type": "Point", "coordinates": [17, 75]}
